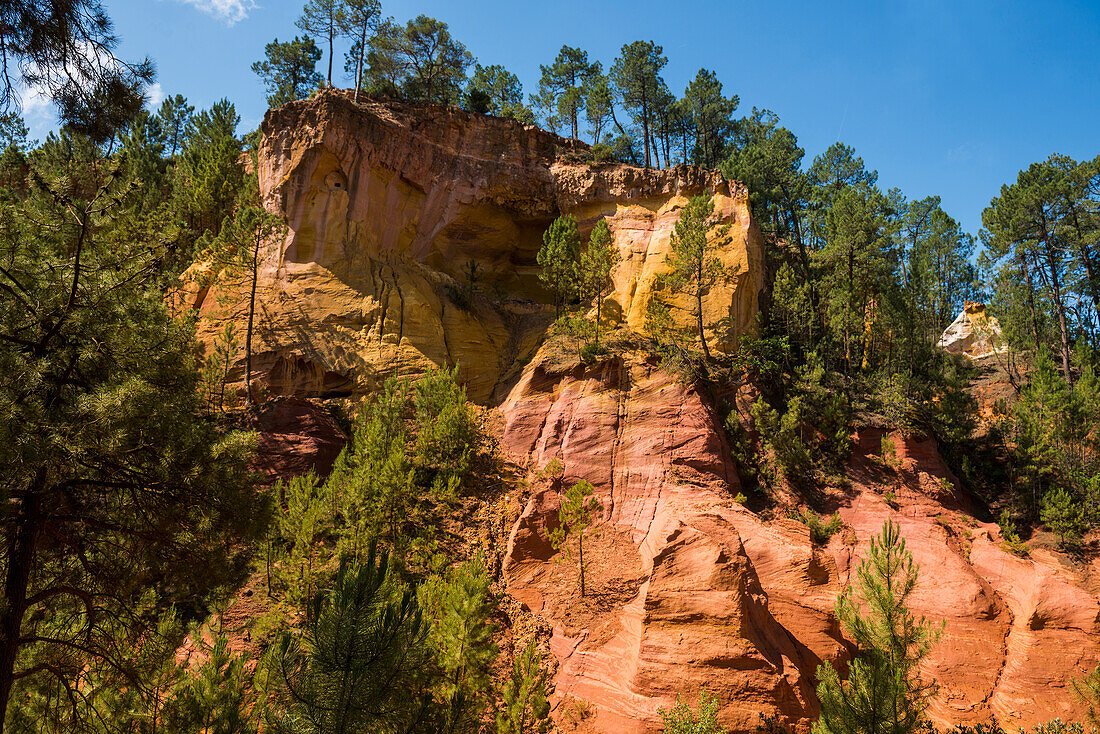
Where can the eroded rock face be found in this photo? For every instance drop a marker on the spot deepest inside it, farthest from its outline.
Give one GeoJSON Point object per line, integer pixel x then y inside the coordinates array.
{"type": "Point", "coordinates": [689, 589]}
{"type": "Point", "coordinates": [390, 207]}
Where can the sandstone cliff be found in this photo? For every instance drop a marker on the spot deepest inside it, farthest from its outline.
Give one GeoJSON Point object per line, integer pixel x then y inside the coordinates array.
{"type": "Point", "coordinates": [692, 590]}
{"type": "Point", "coordinates": [389, 204]}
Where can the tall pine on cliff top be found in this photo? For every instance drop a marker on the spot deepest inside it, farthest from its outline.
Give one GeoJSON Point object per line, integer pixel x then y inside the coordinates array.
{"type": "Point", "coordinates": [636, 75]}
{"type": "Point", "coordinates": [563, 83]}
{"type": "Point", "coordinates": [289, 70]}
{"type": "Point", "coordinates": [884, 693]}
{"type": "Point", "coordinates": [326, 20]}
{"type": "Point", "coordinates": [711, 115]}
{"type": "Point", "coordinates": [361, 17]}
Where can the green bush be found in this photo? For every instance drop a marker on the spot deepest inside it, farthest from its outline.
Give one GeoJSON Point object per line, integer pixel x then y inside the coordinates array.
{"type": "Point", "coordinates": [685, 719]}
{"type": "Point", "coordinates": [820, 528]}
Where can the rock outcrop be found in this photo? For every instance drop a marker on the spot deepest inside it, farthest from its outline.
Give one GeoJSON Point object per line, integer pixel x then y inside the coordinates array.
{"type": "Point", "coordinates": [974, 333]}
{"type": "Point", "coordinates": [689, 589]}
{"type": "Point", "coordinates": [392, 207]}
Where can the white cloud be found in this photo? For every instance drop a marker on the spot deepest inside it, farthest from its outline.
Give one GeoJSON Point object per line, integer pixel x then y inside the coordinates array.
{"type": "Point", "coordinates": [231, 11]}
{"type": "Point", "coordinates": [155, 94]}
{"type": "Point", "coordinates": [36, 103]}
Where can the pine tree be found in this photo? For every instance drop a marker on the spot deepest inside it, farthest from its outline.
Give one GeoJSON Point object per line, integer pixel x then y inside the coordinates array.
{"type": "Point", "coordinates": [598, 101]}
{"type": "Point", "coordinates": [361, 18]}
{"type": "Point", "coordinates": [1061, 514]}
{"type": "Point", "coordinates": [558, 259]}
{"type": "Point", "coordinates": [377, 494]}
{"type": "Point", "coordinates": [326, 20]}
{"type": "Point", "coordinates": [307, 515]}
{"type": "Point", "coordinates": [525, 708]}
{"type": "Point", "coordinates": [1087, 691]}
{"type": "Point", "coordinates": [636, 75]}
{"type": "Point", "coordinates": [67, 50]}
{"type": "Point", "coordinates": [212, 699]}
{"type": "Point", "coordinates": [858, 258]}
{"type": "Point", "coordinates": [175, 120]}
{"type": "Point", "coordinates": [563, 84]}
{"type": "Point", "coordinates": [115, 479]}
{"type": "Point", "coordinates": [420, 60]}
{"type": "Point", "coordinates": [289, 70]}
{"type": "Point", "coordinates": [712, 117]}
{"type": "Point", "coordinates": [209, 174]}
{"type": "Point", "coordinates": [458, 608]}
{"type": "Point", "coordinates": [884, 693]}
{"type": "Point", "coordinates": [693, 263]}
{"type": "Point", "coordinates": [577, 512]}
{"type": "Point", "coordinates": [446, 432]}
{"type": "Point", "coordinates": [596, 264]}
{"type": "Point", "coordinates": [238, 246]}
{"type": "Point", "coordinates": [1025, 225]}
{"type": "Point", "coordinates": [360, 663]}
{"type": "Point", "coordinates": [502, 89]}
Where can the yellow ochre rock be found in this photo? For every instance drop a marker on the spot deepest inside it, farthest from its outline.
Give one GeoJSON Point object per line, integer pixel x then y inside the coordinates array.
{"type": "Point", "coordinates": [390, 205]}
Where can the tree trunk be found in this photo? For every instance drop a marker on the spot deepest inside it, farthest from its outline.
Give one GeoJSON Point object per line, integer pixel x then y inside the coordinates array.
{"type": "Point", "coordinates": [599, 305]}
{"type": "Point", "coordinates": [1086, 260]}
{"type": "Point", "coordinates": [21, 546]}
{"type": "Point", "coordinates": [359, 60]}
{"type": "Point", "coordinates": [645, 127]}
{"type": "Point", "coordinates": [331, 33]}
{"type": "Point", "coordinates": [251, 319]}
{"type": "Point", "coordinates": [699, 323]}
{"type": "Point", "coordinates": [1059, 306]}
{"type": "Point", "coordinates": [1031, 300]}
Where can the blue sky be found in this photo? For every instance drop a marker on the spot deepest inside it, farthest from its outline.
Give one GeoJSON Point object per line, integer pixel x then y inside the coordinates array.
{"type": "Point", "coordinates": [948, 98]}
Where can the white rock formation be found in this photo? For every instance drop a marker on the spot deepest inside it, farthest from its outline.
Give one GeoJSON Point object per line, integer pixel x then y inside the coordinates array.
{"type": "Point", "coordinates": [974, 333]}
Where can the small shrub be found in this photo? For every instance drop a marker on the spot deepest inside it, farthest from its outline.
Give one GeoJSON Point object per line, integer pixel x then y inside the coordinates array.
{"type": "Point", "coordinates": [741, 449]}
{"type": "Point", "coordinates": [891, 498]}
{"type": "Point", "coordinates": [592, 351]}
{"type": "Point", "coordinates": [684, 719]}
{"type": "Point", "coordinates": [572, 325]}
{"type": "Point", "coordinates": [601, 152]}
{"type": "Point", "coordinates": [740, 498]}
{"type": "Point", "coordinates": [783, 434]}
{"type": "Point", "coordinates": [770, 724]}
{"type": "Point", "coordinates": [552, 470]}
{"type": "Point", "coordinates": [820, 528]}
{"type": "Point", "coordinates": [889, 452]}
{"type": "Point", "coordinates": [1057, 726]}
{"type": "Point", "coordinates": [1016, 546]}
{"type": "Point", "coordinates": [578, 709]}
